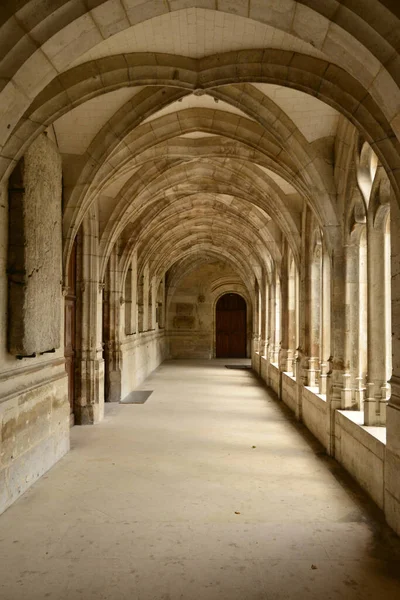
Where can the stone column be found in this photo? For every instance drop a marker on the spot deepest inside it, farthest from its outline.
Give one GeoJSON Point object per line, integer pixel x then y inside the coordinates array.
{"type": "Point", "coordinates": [278, 319]}
{"type": "Point", "coordinates": [264, 315]}
{"type": "Point", "coordinates": [377, 388]}
{"type": "Point", "coordinates": [89, 396]}
{"type": "Point", "coordinates": [392, 455]}
{"type": "Point", "coordinates": [134, 293]}
{"type": "Point", "coordinates": [325, 321]}
{"type": "Point", "coordinates": [336, 360]}
{"type": "Point", "coordinates": [301, 362]}
{"type": "Point", "coordinates": [355, 309]}
{"type": "Point", "coordinates": [272, 320]}
{"type": "Point", "coordinates": [130, 299]}
{"type": "Point", "coordinates": [140, 304]}
{"type": "Point", "coordinates": [146, 290]}
{"type": "Point", "coordinates": [256, 341]}
{"type": "Point", "coordinates": [162, 307]}
{"type": "Point", "coordinates": [288, 313]}
{"type": "Point", "coordinates": [153, 305]}
{"type": "Point", "coordinates": [315, 313]}
{"type": "Point", "coordinates": [127, 304]}
{"type": "Point", "coordinates": [311, 258]}
{"type": "Point", "coordinates": [112, 344]}
{"type": "Point", "coordinates": [256, 319]}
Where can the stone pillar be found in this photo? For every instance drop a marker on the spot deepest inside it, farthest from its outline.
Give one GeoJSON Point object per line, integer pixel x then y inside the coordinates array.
{"type": "Point", "coordinates": [161, 303]}
{"type": "Point", "coordinates": [153, 305]}
{"type": "Point", "coordinates": [256, 320]}
{"type": "Point", "coordinates": [146, 292]}
{"type": "Point", "coordinates": [130, 299]}
{"type": "Point", "coordinates": [272, 320]}
{"type": "Point", "coordinates": [134, 293]}
{"type": "Point", "coordinates": [315, 313]}
{"type": "Point", "coordinates": [89, 396]}
{"type": "Point", "coordinates": [127, 304]}
{"type": "Point", "coordinates": [325, 321]}
{"type": "Point", "coordinates": [310, 284]}
{"type": "Point", "coordinates": [140, 304]}
{"type": "Point", "coordinates": [256, 338]}
{"type": "Point", "coordinates": [304, 306]}
{"type": "Point", "coordinates": [355, 310]}
{"type": "Point", "coordinates": [264, 316]}
{"type": "Point", "coordinates": [377, 388]}
{"type": "Point", "coordinates": [336, 360]}
{"type": "Point", "coordinates": [112, 344]}
{"type": "Point", "coordinates": [278, 319]}
{"type": "Point", "coordinates": [288, 313]}
{"type": "Point", "coordinates": [392, 456]}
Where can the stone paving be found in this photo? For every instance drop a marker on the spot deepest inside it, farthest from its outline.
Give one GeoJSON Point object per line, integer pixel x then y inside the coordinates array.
{"type": "Point", "coordinates": [209, 490]}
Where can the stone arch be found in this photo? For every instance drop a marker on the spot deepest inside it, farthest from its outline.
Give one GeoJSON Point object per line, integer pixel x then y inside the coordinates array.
{"type": "Point", "coordinates": [221, 291]}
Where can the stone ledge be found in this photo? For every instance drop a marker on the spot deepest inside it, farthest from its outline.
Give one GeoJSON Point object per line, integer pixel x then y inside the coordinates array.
{"type": "Point", "coordinates": [315, 398]}
{"type": "Point", "coordinates": [362, 452]}
{"type": "Point", "coordinates": [315, 391]}
{"type": "Point", "coordinates": [47, 379]}
{"type": "Point", "coordinates": [357, 418]}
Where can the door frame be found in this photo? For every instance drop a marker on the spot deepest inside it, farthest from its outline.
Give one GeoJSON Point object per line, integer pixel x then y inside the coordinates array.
{"type": "Point", "coordinates": [242, 293]}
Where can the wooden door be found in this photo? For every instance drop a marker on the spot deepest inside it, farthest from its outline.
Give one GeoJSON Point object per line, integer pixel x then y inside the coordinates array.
{"type": "Point", "coordinates": [70, 327]}
{"type": "Point", "coordinates": [231, 327]}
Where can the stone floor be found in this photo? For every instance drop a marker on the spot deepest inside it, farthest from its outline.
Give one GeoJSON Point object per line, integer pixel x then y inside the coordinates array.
{"type": "Point", "coordinates": [208, 491]}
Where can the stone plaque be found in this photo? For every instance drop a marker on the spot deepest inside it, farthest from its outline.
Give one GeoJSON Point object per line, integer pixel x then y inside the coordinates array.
{"type": "Point", "coordinates": [34, 251]}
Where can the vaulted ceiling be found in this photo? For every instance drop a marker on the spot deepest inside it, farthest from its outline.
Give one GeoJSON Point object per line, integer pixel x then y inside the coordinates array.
{"type": "Point", "coordinates": [199, 129]}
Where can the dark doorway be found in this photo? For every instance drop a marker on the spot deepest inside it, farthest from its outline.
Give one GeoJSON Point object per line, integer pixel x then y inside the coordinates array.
{"type": "Point", "coordinates": [231, 327]}
{"type": "Point", "coordinates": [70, 328]}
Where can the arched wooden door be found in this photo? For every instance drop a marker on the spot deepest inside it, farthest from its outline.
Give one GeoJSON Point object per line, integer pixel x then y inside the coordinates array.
{"type": "Point", "coordinates": [231, 327]}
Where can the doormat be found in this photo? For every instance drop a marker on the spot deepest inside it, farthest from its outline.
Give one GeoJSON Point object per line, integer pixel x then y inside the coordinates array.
{"type": "Point", "coordinates": [138, 397]}
{"type": "Point", "coordinates": [242, 367]}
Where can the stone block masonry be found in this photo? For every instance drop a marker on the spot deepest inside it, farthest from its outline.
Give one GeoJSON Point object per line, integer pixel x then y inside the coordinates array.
{"type": "Point", "coordinates": [34, 258]}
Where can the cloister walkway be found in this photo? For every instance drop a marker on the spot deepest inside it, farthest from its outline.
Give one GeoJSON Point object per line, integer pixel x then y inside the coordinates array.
{"type": "Point", "coordinates": [209, 490]}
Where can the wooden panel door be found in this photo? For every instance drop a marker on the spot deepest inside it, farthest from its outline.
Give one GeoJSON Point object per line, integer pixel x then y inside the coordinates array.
{"type": "Point", "coordinates": [231, 327]}
{"type": "Point", "coordinates": [70, 328]}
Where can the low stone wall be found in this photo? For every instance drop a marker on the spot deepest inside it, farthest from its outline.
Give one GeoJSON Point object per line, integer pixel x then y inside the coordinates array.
{"type": "Point", "coordinates": [256, 359]}
{"type": "Point", "coordinates": [314, 415]}
{"type": "Point", "coordinates": [289, 391]}
{"type": "Point", "coordinates": [140, 356]}
{"type": "Point", "coordinates": [361, 451]}
{"type": "Point", "coordinates": [263, 368]}
{"type": "Point", "coordinates": [34, 435]}
{"type": "Point", "coordinates": [273, 377]}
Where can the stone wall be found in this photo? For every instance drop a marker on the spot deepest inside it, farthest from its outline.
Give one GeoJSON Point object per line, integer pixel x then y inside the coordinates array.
{"type": "Point", "coordinates": [34, 435]}
{"type": "Point", "coordinates": [34, 408]}
{"type": "Point", "coordinates": [141, 354]}
{"type": "Point", "coordinates": [314, 414]}
{"type": "Point", "coordinates": [360, 449]}
{"type": "Point", "coordinates": [191, 309]}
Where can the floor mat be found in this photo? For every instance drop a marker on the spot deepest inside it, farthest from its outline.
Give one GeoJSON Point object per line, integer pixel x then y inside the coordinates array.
{"type": "Point", "coordinates": [243, 367]}
{"type": "Point", "coordinates": [138, 397]}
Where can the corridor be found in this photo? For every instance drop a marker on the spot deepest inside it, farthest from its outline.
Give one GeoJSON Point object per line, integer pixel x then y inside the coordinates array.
{"type": "Point", "coordinates": [208, 491]}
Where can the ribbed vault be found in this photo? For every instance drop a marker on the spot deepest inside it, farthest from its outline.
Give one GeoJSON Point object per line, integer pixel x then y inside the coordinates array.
{"type": "Point", "coordinates": [193, 154]}
{"type": "Point", "coordinates": [156, 154]}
